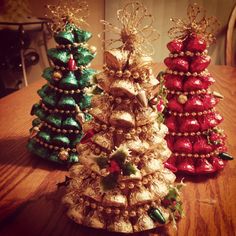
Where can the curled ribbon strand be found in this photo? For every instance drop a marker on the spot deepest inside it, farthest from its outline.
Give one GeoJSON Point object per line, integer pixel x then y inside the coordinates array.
{"type": "Point", "coordinates": [136, 33]}
{"type": "Point", "coordinates": [196, 23]}
{"type": "Point", "coordinates": [67, 11]}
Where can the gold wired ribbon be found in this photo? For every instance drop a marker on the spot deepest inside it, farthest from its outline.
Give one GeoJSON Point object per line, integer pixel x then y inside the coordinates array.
{"type": "Point", "coordinates": [196, 23]}
{"type": "Point", "coordinates": [67, 11]}
{"type": "Point", "coordinates": [136, 33]}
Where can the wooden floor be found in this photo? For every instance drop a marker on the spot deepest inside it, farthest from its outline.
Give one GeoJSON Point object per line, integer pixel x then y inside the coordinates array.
{"type": "Point", "coordinates": [30, 203]}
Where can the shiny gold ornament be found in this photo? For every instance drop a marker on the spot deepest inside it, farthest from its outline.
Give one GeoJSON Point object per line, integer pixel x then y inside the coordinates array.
{"type": "Point", "coordinates": [182, 99]}
{"type": "Point", "coordinates": [92, 49]}
{"type": "Point", "coordinates": [57, 75]}
{"type": "Point", "coordinates": [63, 155]}
{"type": "Point", "coordinates": [142, 98]}
{"type": "Point", "coordinates": [104, 140]}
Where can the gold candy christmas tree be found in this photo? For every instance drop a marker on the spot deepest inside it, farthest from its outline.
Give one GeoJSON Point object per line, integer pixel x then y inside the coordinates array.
{"type": "Point", "coordinates": [122, 185]}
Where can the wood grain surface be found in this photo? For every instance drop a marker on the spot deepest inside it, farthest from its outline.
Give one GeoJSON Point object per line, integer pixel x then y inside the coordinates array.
{"type": "Point", "coordinates": [30, 203]}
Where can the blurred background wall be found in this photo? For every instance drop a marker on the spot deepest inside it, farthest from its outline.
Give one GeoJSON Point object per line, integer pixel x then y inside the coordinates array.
{"type": "Point", "coordinates": [162, 10]}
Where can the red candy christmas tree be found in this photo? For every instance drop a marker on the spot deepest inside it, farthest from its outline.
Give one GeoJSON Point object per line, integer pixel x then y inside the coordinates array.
{"type": "Point", "coordinates": [197, 144]}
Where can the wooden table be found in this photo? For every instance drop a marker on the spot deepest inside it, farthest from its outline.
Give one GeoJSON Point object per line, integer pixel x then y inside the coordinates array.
{"type": "Point", "coordinates": [30, 203]}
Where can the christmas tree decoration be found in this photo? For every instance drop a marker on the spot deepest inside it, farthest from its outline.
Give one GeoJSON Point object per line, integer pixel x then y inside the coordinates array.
{"type": "Point", "coordinates": [121, 183]}
{"type": "Point", "coordinates": [197, 143]}
{"type": "Point", "coordinates": [64, 102]}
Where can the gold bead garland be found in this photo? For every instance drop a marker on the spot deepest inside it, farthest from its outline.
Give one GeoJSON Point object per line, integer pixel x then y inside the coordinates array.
{"type": "Point", "coordinates": [181, 114]}
{"type": "Point", "coordinates": [56, 110]}
{"type": "Point", "coordinates": [63, 90]}
{"type": "Point", "coordinates": [58, 130]}
{"type": "Point", "coordinates": [50, 146]}
{"type": "Point", "coordinates": [189, 133]}
{"type": "Point", "coordinates": [201, 91]}
{"type": "Point", "coordinates": [181, 73]}
{"type": "Point", "coordinates": [214, 153]}
{"type": "Point", "coordinates": [188, 53]}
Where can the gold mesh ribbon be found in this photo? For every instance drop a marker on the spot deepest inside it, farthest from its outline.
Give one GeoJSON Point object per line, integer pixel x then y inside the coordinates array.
{"type": "Point", "coordinates": [67, 11]}
{"type": "Point", "coordinates": [136, 33]}
{"type": "Point", "coordinates": [196, 23]}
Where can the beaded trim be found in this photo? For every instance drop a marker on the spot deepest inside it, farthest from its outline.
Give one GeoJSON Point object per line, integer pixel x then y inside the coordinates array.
{"type": "Point", "coordinates": [196, 155]}
{"type": "Point", "coordinates": [189, 133]}
{"type": "Point", "coordinates": [64, 68]}
{"type": "Point", "coordinates": [125, 74]}
{"type": "Point", "coordinates": [64, 91]}
{"type": "Point", "coordinates": [57, 110]}
{"type": "Point", "coordinates": [116, 210]}
{"type": "Point", "coordinates": [180, 114]}
{"type": "Point", "coordinates": [50, 146]}
{"type": "Point", "coordinates": [70, 45]}
{"type": "Point", "coordinates": [174, 72]}
{"type": "Point", "coordinates": [202, 91]}
{"type": "Point", "coordinates": [188, 53]}
{"type": "Point", "coordinates": [58, 130]}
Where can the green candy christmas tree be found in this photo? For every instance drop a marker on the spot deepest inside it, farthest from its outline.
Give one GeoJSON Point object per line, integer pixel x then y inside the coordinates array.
{"type": "Point", "coordinates": [65, 98]}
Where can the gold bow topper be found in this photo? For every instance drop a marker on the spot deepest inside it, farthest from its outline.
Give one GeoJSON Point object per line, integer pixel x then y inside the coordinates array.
{"type": "Point", "coordinates": [197, 23]}
{"type": "Point", "coordinates": [67, 11]}
{"type": "Point", "coordinates": [136, 33]}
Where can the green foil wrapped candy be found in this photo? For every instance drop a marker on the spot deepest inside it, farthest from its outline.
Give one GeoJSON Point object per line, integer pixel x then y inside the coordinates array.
{"type": "Point", "coordinates": [76, 139]}
{"type": "Point", "coordinates": [51, 99]}
{"type": "Point", "coordinates": [48, 74]}
{"type": "Point", "coordinates": [64, 37]}
{"type": "Point", "coordinates": [156, 215]}
{"type": "Point", "coordinates": [83, 56]}
{"type": "Point", "coordinates": [60, 140]}
{"type": "Point", "coordinates": [55, 120]}
{"type": "Point", "coordinates": [85, 77]}
{"type": "Point", "coordinates": [43, 91]}
{"type": "Point", "coordinates": [66, 102]}
{"type": "Point", "coordinates": [38, 149]}
{"type": "Point", "coordinates": [84, 101]}
{"type": "Point", "coordinates": [82, 35]}
{"type": "Point", "coordinates": [36, 122]}
{"type": "Point", "coordinates": [70, 123]}
{"type": "Point", "coordinates": [73, 157]}
{"type": "Point", "coordinates": [59, 57]}
{"type": "Point", "coordinates": [38, 111]}
{"type": "Point", "coordinates": [44, 136]}
{"type": "Point", "coordinates": [69, 81]}
{"type": "Point", "coordinates": [54, 157]}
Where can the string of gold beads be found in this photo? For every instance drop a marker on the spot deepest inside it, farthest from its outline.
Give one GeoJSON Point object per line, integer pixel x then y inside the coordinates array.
{"type": "Point", "coordinates": [63, 90]}
{"type": "Point", "coordinates": [214, 153]}
{"type": "Point", "coordinates": [58, 130]}
{"type": "Point", "coordinates": [189, 133]}
{"type": "Point", "coordinates": [133, 212]}
{"type": "Point", "coordinates": [174, 72]}
{"type": "Point", "coordinates": [56, 110]}
{"type": "Point", "coordinates": [201, 91]}
{"type": "Point", "coordinates": [188, 53]}
{"type": "Point", "coordinates": [200, 113]}
{"type": "Point", "coordinates": [50, 146]}
{"type": "Point", "coordinates": [125, 73]}
{"type": "Point", "coordinates": [62, 68]}
{"type": "Point", "coordinates": [62, 46]}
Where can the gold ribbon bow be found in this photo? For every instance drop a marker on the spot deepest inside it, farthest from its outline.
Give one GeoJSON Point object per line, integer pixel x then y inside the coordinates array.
{"type": "Point", "coordinates": [67, 11]}
{"type": "Point", "coordinates": [197, 23]}
{"type": "Point", "coordinates": [136, 33]}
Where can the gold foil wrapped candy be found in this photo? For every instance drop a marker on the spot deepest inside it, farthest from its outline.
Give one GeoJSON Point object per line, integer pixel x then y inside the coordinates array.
{"type": "Point", "coordinates": [114, 198]}
{"type": "Point", "coordinates": [104, 140]}
{"type": "Point", "coordinates": [144, 222]}
{"type": "Point", "coordinates": [120, 224]}
{"type": "Point", "coordinates": [122, 87]}
{"type": "Point", "coordinates": [94, 219]}
{"type": "Point", "coordinates": [76, 213]}
{"type": "Point", "coordinates": [122, 118]}
{"type": "Point", "coordinates": [140, 196]}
